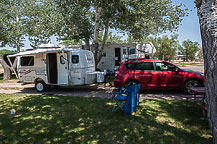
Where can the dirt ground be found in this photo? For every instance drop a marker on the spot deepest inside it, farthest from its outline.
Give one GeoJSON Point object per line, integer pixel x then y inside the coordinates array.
{"type": "Point", "coordinates": [94, 90]}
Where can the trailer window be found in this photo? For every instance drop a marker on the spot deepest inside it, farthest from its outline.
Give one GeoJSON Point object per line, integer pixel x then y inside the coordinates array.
{"type": "Point", "coordinates": [75, 59]}
{"type": "Point", "coordinates": [27, 61]}
{"type": "Point", "coordinates": [89, 58]}
{"type": "Point", "coordinates": [132, 51]}
{"type": "Point", "coordinates": [62, 60]}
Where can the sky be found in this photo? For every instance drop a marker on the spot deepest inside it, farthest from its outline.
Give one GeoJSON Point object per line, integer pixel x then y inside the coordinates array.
{"type": "Point", "coordinates": [189, 28]}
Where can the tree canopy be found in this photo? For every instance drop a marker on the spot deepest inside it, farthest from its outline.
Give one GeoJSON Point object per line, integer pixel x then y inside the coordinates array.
{"type": "Point", "coordinates": [165, 47]}
{"type": "Point", "coordinates": [189, 49]}
{"type": "Point", "coordinates": [136, 18]}
{"type": "Point", "coordinates": [11, 25]}
{"type": "Point", "coordinates": [76, 20]}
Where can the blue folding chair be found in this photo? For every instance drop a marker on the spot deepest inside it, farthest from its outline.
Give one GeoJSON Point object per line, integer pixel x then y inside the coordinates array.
{"type": "Point", "coordinates": [132, 101]}
{"type": "Point", "coordinates": [119, 98]}
{"type": "Point", "coordinates": [128, 99]}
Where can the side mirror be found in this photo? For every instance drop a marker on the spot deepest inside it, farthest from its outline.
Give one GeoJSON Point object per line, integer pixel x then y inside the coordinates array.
{"type": "Point", "coordinates": [176, 69]}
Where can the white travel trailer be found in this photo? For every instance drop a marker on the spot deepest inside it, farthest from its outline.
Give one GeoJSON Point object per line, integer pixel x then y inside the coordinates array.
{"type": "Point", "coordinates": [56, 66]}
{"type": "Point", "coordinates": [114, 53]}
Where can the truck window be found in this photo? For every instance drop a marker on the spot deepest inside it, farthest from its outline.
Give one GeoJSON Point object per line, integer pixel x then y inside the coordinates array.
{"type": "Point", "coordinates": [160, 66]}
{"type": "Point", "coordinates": [75, 59]}
{"type": "Point", "coordinates": [130, 66]}
{"type": "Point", "coordinates": [144, 66]}
{"type": "Point", "coordinates": [27, 61]}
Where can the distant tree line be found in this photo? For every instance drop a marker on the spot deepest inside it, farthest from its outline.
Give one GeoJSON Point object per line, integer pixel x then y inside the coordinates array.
{"type": "Point", "coordinates": [169, 48]}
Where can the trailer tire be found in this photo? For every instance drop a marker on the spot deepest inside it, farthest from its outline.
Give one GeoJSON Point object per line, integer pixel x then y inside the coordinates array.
{"type": "Point", "coordinates": [40, 86]}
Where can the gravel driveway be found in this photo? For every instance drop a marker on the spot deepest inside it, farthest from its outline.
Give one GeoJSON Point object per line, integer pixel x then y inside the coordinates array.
{"type": "Point", "coordinates": [91, 90]}
{"type": "Point", "coordinates": [95, 90]}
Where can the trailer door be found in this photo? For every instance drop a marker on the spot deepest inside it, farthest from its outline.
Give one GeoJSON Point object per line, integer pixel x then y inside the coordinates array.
{"type": "Point", "coordinates": [62, 69]}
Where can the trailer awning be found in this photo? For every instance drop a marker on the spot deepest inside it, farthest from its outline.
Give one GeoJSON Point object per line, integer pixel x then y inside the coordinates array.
{"type": "Point", "coordinates": [38, 51]}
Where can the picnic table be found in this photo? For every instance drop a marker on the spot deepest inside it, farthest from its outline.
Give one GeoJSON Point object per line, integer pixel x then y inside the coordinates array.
{"type": "Point", "coordinates": [199, 92]}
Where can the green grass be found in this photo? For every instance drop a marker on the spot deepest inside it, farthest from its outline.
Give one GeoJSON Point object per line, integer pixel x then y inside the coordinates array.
{"type": "Point", "coordinates": [198, 64]}
{"type": "Point", "coordinates": [13, 78]}
{"type": "Point", "coordinates": [59, 119]}
{"type": "Point", "coordinates": [180, 64]}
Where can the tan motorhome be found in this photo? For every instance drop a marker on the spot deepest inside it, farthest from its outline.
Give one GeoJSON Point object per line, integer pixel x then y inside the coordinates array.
{"type": "Point", "coordinates": [114, 53]}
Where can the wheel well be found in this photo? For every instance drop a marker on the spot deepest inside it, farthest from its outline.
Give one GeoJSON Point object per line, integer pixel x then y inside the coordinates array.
{"type": "Point", "coordinates": [131, 80]}
{"type": "Point", "coordinates": [194, 79]}
{"type": "Point", "coordinates": [38, 79]}
{"type": "Point", "coordinates": [97, 69]}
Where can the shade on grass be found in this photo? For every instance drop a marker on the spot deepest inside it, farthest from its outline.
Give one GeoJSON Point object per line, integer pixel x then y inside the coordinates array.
{"type": "Point", "coordinates": [59, 119]}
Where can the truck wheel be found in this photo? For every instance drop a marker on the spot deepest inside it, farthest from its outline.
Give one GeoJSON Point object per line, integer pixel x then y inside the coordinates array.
{"type": "Point", "coordinates": [191, 83]}
{"type": "Point", "coordinates": [128, 83]}
{"type": "Point", "coordinates": [40, 86]}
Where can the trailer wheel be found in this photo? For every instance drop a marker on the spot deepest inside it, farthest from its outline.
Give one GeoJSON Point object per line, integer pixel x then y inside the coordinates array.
{"type": "Point", "coordinates": [40, 86]}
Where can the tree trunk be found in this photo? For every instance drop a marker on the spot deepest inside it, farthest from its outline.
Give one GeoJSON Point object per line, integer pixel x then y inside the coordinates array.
{"type": "Point", "coordinates": [105, 37]}
{"type": "Point", "coordinates": [207, 11]}
{"type": "Point", "coordinates": [96, 33]}
{"type": "Point", "coordinates": [87, 43]}
{"type": "Point", "coordinates": [18, 37]}
{"type": "Point", "coordinates": [7, 70]}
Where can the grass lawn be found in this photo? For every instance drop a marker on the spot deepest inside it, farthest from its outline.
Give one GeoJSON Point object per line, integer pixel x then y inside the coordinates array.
{"type": "Point", "coordinates": [59, 119]}
{"type": "Point", "coordinates": [13, 79]}
{"type": "Point", "coordinates": [189, 64]}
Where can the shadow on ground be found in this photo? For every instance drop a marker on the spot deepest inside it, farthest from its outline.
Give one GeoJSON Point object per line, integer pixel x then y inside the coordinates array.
{"type": "Point", "coordinates": [58, 119]}
{"type": "Point", "coordinates": [99, 90]}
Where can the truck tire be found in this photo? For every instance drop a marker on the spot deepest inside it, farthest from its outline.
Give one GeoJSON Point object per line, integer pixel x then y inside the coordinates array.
{"type": "Point", "coordinates": [191, 83]}
{"type": "Point", "coordinates": [40, 86]}
{"type": "Point", "coordinates": [130, 82]}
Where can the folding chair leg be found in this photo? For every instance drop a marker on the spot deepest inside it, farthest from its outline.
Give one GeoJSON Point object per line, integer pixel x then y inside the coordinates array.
{"type": "Point", "coordinates": [118, 105]}
{"type": "Point", "coordinates": [115, 108]}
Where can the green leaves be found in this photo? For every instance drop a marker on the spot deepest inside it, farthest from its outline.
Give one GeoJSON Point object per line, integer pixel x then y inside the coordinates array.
{"type": "Point", "coordinates": [11, 27]}
{"type": "Point", "coordinates": [138, 18]}
{"type": "Point", "coordinates": [165, 47]}
{"type": "Point", "coordinates": [67, 19]}
{"type": "Point", "coordinates": [190, 49]}
{"type": "Point", "coordinates": [41, 20]}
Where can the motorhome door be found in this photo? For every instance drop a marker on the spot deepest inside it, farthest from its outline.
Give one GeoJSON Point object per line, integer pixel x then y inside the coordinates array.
{"type": "Point", "coordinates": [62, 69]}
{"type": "Point", "coordinates": [117, 56]}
